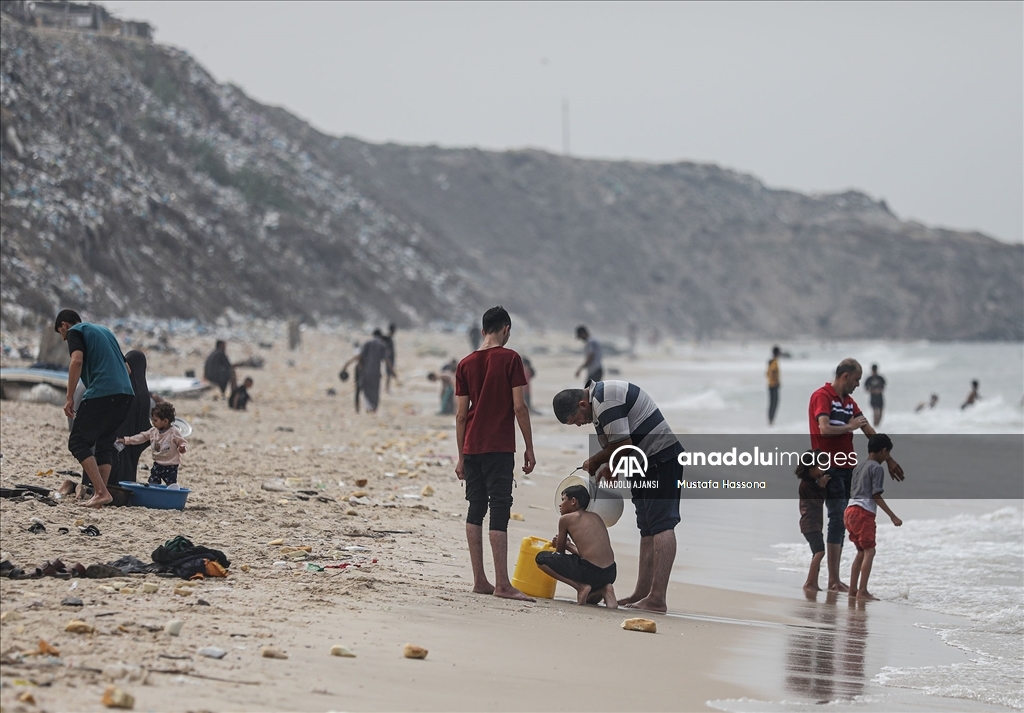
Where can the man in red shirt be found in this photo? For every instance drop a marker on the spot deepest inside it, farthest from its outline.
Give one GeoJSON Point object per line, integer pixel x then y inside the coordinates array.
{"type": "Point", "coordinates": [833, 417]}
{"type": "Point", "coordinates": [489, 385]}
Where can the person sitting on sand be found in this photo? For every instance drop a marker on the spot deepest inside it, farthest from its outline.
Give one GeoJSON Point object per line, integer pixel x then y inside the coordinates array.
{"type": "Point", "coordinates": [589, 566]}
{"type": "Point", "coordinates": [859, 518]}
{"type": "Point", "coordinates": [240, 395]}
{"type": "Point", "coordinates": [168, 445]}
{"type": "Point", "coordinates": [972, 397]}
{"type": "Point", "coordinates": [812, 502]}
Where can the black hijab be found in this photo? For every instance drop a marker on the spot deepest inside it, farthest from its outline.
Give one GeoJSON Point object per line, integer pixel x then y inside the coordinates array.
{"type": "Point", "coordinates": [126, 463]}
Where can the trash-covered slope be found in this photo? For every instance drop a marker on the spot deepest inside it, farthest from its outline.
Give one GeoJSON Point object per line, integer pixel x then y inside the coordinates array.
{"type": "Point", "coordinates": [135, 184]}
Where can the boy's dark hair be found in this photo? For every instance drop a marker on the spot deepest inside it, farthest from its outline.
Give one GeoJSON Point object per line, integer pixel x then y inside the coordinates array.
{"type": "Point", "coordinates": [878, 443]}
{"type": "Point", "coordinates": [776, 351]}
{"type": "Point", "coordinates": [848, 366]}
{"type": "Point", "coordinates": [164, 409]}
{"type": "Point", "coordinates": [874, 367]}
{"type": "Point", "coordinates": [495, 319]}
{"type": "Point", "coordinates": [220, 344]}
{"type": "Point", "coordinates": [582, 332]}
{"type": "Point", "coordinates": [66, 315]}
{"type": "Point", "coordinates": [809, 459]}
{"type": "Point", "coordinates": [578, 493]}
{"type": "Point", "coordinates": [378, 333]}
{"type": "Point", "coordinates": [566, 403]}
{"type": "Point", "coordinates": [248, 381]}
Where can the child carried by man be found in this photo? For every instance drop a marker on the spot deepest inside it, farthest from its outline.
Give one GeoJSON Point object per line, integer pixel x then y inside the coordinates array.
{"type": "Point", "coordinates": [168, 444]}
{"type": "Point", "coordinates": [589, 565]}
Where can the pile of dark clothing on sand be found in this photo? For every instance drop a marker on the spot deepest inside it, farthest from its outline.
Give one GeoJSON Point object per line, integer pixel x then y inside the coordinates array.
{"type": "Point", "coordinates": [177, 557]}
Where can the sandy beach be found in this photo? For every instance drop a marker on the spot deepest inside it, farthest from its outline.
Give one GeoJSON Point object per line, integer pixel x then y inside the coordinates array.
{"type": "Point", "coordinates": [407, 576]}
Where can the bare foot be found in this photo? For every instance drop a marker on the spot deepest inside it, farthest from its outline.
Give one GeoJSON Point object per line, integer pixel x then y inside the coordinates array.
{"type": "Point", "coordinates": [512, 593]}
{"type": "Point", "coordinates": [98, 501]}
{"type": "Point", "coordinates": [812, 588]}
{"type": "Point", "coordinates": [648, 604]}
{"type": "Point", "coordinates": [484, 587]}
{"type": "Point", "coordinates": [582, 594]}
{"type": "Point", "coordinates": [609, 597]}
{"type": "Point", "coordinates": [631, 599]}
{"type": "Point", "coordinates": [837, 587]}
{"type": "Point", "coordinates": [866, 595]}
{"type": "Point", "coordinates": [67, 487]}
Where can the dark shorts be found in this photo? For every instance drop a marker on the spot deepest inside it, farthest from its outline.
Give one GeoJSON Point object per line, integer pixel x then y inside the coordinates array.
{"type": "Point", "coordinates": [489, 485]}
{"type": "Point", "coordinates": [877, 401]}
{"type": "Point", "coordinates": [657, 510]}
{"type": "Point", "coordinates": [96, 421]}
{"type": "Point", "coordinates": [837, 496]}
{"type": "Point", "coordinates": [816, 541]}
{"type": "Point", "coordinates": [166, 474]}
{"type": "Point", "coordinates": [575, 568]}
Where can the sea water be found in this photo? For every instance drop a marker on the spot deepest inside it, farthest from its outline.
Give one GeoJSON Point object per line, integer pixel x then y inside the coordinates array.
{"type": "Point", "coordinates": [959, 558]}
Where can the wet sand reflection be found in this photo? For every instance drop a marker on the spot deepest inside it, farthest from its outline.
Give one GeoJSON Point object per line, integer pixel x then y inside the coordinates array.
{"type": "Point", "coordinates": [826, 663]}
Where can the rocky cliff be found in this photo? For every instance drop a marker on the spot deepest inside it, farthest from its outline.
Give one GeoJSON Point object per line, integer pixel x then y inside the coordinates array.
{"type": "Point", "coordinates": [133, 183]}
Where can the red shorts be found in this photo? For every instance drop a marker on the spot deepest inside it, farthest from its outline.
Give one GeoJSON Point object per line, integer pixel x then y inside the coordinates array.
{"type": "Point", "coordinates": [861, 525]}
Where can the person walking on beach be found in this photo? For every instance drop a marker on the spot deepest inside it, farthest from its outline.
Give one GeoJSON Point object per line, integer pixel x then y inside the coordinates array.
{"type": "Point", "coordinates": [96, 360]}
{"type": "Point", "coordinates": [591, 356]}
{"type": "Point", "coordinates": [489, 386]}
{"type": "Point", "coordinates": [833, 416]}
{"type": "Point", "coordinates": [875, 385]}
{"type": "Point", "coordinates": [865, 499]}
{"type": "Point", "coordinates": [369, 359]}
{"type": "Point", "coordinates": [389, 356]}
{"type": "Point", "coordinates": [217, 369]}
{"type": "Point", "coordinates": [773, 384]}
{"type": "Point", "coordinates": [624, 415]}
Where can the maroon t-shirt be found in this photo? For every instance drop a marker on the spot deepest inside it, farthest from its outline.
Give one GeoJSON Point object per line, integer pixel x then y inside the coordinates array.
{"type": "Point", "coordinates": [487, 377]}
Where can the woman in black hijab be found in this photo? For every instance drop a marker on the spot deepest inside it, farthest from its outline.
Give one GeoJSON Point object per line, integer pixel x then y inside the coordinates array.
{"type": "Point", "coordinates": [126, 463]}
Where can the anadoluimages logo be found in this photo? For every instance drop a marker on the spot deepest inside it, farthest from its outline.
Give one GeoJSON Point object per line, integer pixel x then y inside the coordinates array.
{"type": "Point", "coordinates": [628, 462]}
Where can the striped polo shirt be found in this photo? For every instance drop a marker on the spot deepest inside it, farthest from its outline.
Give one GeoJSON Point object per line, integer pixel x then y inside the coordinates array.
{"type": "Point", "coordinates": [624, 410]}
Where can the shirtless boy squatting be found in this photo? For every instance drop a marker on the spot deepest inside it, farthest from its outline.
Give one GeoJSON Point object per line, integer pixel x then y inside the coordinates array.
{"type": "Point", "coordinates": [589, 566]}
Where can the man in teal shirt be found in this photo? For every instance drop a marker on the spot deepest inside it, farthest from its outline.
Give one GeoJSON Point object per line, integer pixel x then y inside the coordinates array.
{"type": "Point", "coordinates": [97, 360]}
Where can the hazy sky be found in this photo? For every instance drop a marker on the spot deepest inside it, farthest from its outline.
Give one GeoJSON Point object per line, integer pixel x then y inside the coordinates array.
{"type": "Point", "coordinates": [921, 104]}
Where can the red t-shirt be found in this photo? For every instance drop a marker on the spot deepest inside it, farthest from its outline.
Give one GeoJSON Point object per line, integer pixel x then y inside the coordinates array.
{"type": "Point", "coordinates": [487, 377]}
{"type": "Point", "coordinates": [826, 402]}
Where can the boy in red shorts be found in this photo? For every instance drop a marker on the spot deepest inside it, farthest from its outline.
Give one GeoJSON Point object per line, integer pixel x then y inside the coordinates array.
{"type": "Point", "coordinates": [865, 499]}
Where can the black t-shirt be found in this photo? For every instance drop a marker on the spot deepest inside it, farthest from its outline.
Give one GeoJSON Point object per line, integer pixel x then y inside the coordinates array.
{"type": "Point", "coordinates": [874, 383]}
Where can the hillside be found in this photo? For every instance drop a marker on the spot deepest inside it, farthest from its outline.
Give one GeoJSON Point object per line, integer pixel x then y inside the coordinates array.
{"type": "Point", "coordinates": [133, 183]}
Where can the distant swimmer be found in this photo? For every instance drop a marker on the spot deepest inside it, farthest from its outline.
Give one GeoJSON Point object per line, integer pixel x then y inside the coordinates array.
{"type": "Point", "coordinates": [875, 385]}
{"type": "Point", "coordinates": [929, 404]}
{"type": "Point", "coordinates": [591, 356]}
{"type": "Point", "coordinates": [774, 383]}
{"type": "Point", "coordinates": [971, 397]}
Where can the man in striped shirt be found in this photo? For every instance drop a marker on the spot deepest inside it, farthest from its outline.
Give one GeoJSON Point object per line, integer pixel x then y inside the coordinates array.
{"type": "Point", "coordinates": [624, 415]}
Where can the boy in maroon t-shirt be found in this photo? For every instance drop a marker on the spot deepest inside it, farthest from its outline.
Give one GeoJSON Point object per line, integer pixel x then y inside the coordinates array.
{"type": "Point", "coordinates": [489, 387]}
{"type": "Point", "coordinates": [833, 416]}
